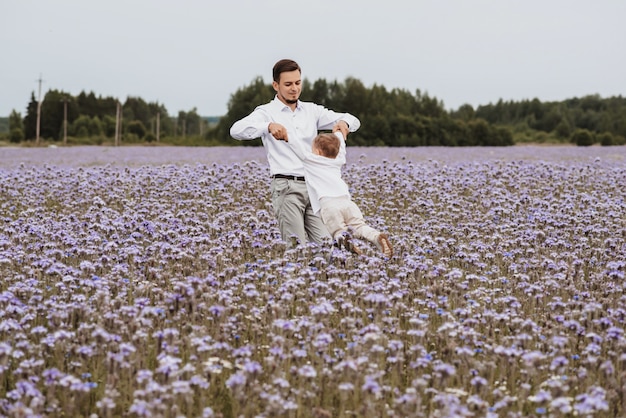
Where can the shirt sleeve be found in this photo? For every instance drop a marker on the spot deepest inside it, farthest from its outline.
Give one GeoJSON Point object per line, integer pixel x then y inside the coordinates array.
{"type": "Point", "coordinates": [253, 126]}
{"type": "Point", "coordinates": [341, 156]}
{"type": "Point", "coordinates": [328, 118]}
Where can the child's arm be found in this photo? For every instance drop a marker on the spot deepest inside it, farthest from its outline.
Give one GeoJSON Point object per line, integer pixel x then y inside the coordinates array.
{"type": "Point", "coordinates": [299, 148]}
{"type": "Point", "coordinates": [342, 147]}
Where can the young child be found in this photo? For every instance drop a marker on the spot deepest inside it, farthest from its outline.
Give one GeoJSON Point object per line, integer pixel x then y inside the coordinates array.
{"type": "Point", "coordinates": [329, 194]}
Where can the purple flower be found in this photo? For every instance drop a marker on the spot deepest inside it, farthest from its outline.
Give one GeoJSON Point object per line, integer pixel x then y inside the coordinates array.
{"type": "Point", "coordinates": [252, 367]}
{"type": "Point", "coordinates": [236, 380]}
{"type": "Point", "coordinates": [561, 404]}
{"type": "Point", "coordinates": [371, 386]}
{"type": "Point", "coordinates": [307, 371]}
{"type": "Point", "coordinates": [592, 402]}
{"type": "Point", "coordinates": [558, 363]}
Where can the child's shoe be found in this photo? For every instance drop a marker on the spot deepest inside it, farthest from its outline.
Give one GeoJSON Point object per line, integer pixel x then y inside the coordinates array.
{"type": "Point", "coordinates": [385, 246]}
{"type": "Point", "coordinates": [345, 240]}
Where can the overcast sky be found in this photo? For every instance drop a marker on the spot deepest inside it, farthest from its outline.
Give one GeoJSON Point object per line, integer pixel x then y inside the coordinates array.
{"type": "Point", "coordinates": [190, 54]}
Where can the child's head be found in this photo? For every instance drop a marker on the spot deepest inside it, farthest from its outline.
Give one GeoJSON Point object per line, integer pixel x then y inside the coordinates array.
{"type": "Point", "coordinates": [327, 145]}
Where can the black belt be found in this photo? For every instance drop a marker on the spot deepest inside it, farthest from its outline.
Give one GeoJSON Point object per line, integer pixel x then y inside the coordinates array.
{"type": "Point", "coordinates": [284, 176]}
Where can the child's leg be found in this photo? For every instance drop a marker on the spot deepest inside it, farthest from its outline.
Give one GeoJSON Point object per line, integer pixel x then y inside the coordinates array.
{"type": "Point", "coordinates": [332, 214]}
{"type": "Point", "coordinates": [354, 218]}
{"type": "Point", "coordinates": [333, 219]}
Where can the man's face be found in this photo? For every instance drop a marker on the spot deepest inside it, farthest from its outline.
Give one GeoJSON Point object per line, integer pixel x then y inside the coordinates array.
{"type": "Point", "coordinates": [289, 87]}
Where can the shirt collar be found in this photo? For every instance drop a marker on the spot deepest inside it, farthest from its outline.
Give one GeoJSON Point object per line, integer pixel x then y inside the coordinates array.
{"type": "Point", "coordinates": [281, 106]}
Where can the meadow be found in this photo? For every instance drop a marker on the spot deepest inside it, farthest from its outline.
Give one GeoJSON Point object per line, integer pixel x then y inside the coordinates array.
{"type": "Point", "coordinates": [152, 282]}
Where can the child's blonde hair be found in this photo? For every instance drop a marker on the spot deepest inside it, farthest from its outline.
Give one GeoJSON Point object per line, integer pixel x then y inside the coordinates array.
{"type": "Point", "coordinates": [328, 144]}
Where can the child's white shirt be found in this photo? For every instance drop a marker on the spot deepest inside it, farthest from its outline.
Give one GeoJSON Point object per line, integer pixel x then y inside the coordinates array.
{"type": "Point", "coordinates": [322, 174]}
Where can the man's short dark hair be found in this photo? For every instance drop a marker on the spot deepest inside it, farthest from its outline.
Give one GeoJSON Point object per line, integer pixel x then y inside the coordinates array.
{"type": "Point", "coordinates": [328, 144]}
{"type": "Point", "coordinates": [284, 66]}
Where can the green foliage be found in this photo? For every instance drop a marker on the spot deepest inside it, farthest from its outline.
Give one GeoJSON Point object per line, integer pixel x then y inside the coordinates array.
{"type": "Point", "coordinates": [88, 115]}
{"type": "Point", "coordinates": [53, 114]}
{"type": "Point", "coordinates": [563, 129]}
{"type": "Point", "coordinates": [503, 137]}
{"type": "Point", "coordinates": [137, 110]}
{"type": "Point", "coordinates": [606, 139]}
{"type": "Point", "coordinates": [15, 121]}
{"type": "Point", "coordinates": [131, 139]}
{"type": "Point", "coordinates": [137, 128]}
{"type": "Point", "coordinates": [88, 140]}
{"type": "Point", "coordinates": [465, 112]}
{"type": "Point", "coordinates": [4, 125]}
{"type": "Point", "coordinates": [92, 106]}
{"type": "Point", "coordinates": [391, 118]}
{"type": "Point", "coordinates": [16, 135]}
{"type": "Point", "coordinates": [30, 119]}
{"type": "Point", "coordinates": [108, 126]}
{"type": "Point", "coordinates": [189, 123]}
{"type": "Point", "coordinates": [85, 126]}
{"type": "Point", "coordinates": [582, 137]}
{"type": "Point", "coordinates": [394, 117]}
{"type": "Point", "coordinates": [559, 119]}
{"type": "Point", "coordinates": [95, 127]}
{"type": "Point", "coordinates": [240, 104]}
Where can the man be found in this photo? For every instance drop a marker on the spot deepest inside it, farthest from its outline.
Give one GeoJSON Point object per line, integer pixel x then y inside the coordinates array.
{"type": "Point", "coordinates": [275, 122]}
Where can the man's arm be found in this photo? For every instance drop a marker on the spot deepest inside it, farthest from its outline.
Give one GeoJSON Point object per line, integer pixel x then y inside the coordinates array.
{"type": "Point", "coordinates": [327, 119]}
{"type": "Point", "coordinates": [253, 126]}
{"type": "Point", "coordinates": [278, 131]}
{"type": "Point", "coordinates": [256, 125]}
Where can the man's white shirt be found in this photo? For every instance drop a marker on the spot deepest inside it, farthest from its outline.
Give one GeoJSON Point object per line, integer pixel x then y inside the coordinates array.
{"type": "Point", "coordinates": [302, 127]}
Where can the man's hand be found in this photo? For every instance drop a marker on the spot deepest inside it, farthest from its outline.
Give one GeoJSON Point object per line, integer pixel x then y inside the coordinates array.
{"type": "Point", "coordinates": [278, 131]}
{"type": "Point", "coordinates": [343, 127]}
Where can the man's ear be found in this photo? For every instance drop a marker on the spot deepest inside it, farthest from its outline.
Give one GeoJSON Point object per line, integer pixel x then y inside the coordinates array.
{"type": "Point", "coordinates": [275, 85]}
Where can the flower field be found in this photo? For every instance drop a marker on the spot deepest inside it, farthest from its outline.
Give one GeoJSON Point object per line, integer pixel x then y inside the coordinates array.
{"type": "Point", "coordinates": [148, 282]}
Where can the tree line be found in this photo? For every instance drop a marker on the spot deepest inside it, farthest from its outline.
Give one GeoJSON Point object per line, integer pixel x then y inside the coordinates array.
{"type": "Point", "coordinates": [389, 118]}
{"type": "Point", "coordinates": [583, 120]}
{"type": "Point", "coordinates": [92, 118]}
{"type": "Point", "coordinates": [395, 117]}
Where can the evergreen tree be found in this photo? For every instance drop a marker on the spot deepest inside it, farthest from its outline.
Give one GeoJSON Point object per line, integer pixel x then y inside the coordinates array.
{"type": "Point", "coordinates": [15, 121]}
{"type": "Point", "coordinates": [53, 113]}
{"type": "Point", "coordinates": [241, 104]}
{"type": "Point", "coordinates": [30, 120]}
{"type": "Point", "coordinates": [16, 127]}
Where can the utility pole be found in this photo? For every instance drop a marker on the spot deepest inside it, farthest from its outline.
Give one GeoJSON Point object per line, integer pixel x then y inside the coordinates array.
{"type": "Point", "coordinates": [117, 123]}
{"type": "Point", "coordinates": [38, 111]}
{"type": "Point", "coordinates": [121, 123]}
{"type": "Point", "coordinates": [65, 120]}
